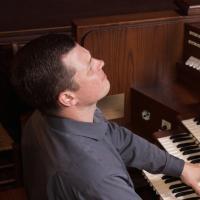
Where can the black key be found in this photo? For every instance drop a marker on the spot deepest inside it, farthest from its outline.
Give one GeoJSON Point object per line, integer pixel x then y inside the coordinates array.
{"type": "Point", "coordinates": [189, 148]}
{"type": "Point", "coordinates": [179, 135]}
{"type": "Point", "coordinates": [185, 144]}
{"type": "Point", "coordinates": [193, 157]}
{"type": "Point", "coordinates": [169, 180]}
{"type": "Point", "coordinates": [195, 161]}
{"type": "Point", "coordinates": [166, 177]}
{"type": "Point", "coordinates": [181, 189]}
{"type": "Point", "coordinates": [181, 139]}
{"type": "Point", "coordinates": [191, 151]}
{"type": "Point", "coordinates": [196, 119]}
{"type": "Point", "coordinates": [177, 185]}
{"type": "Point", "coordinates": [184, 193]}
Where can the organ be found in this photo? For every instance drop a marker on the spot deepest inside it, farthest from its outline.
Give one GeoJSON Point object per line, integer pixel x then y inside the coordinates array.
{"type": "Point", "coordinates": [184, 144]}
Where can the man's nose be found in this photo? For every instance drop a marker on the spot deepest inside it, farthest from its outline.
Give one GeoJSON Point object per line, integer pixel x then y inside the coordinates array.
{"type": "Point", "coordinates": [102, 63]}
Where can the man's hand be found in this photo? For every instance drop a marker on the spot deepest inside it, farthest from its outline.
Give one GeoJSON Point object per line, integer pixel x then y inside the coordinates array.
{"type": "Point", "coordinates": [191, 176]}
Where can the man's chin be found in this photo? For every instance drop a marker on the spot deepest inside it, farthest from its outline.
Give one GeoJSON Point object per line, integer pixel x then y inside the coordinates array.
{"type": "Point", "coordinates": [107, 89]}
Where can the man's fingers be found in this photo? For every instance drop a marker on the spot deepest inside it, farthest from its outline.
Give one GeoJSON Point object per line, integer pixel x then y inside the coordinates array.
{"type": "Point", "coordinates": [196, 188]}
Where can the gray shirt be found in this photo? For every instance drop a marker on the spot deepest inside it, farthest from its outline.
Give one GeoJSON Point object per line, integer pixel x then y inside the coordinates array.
{"type": "Point", "coordinates": [65, 159]}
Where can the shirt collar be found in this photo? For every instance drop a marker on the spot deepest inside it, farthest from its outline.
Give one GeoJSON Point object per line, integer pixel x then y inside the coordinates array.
{"type": "Point", "coordinates": [95, 130]}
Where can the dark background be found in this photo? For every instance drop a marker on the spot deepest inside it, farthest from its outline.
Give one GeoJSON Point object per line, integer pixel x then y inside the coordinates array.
{"type": "Point", "coordinates": [26, 14]}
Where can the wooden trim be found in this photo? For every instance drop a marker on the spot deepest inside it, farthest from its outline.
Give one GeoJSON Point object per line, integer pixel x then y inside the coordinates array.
{"type": "Point", "coordinates": [82, 27]}
{"type": "Point", "coordinates": [125, 19]}
{"type": "Point", "coordinates": [28, 34]}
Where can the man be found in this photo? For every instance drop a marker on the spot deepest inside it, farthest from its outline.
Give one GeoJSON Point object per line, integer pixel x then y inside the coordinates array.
{"type": "Point", "coordinates": [69, 151]}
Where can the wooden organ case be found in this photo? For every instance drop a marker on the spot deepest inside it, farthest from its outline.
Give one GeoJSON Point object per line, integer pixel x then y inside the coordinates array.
{"type": "Point", "coordinates": [141, 52]}
{"type": "Point", "coordinates": [183, 140]}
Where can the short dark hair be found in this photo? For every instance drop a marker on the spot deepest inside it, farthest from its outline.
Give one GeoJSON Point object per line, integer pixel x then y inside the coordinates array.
{"type": "Point", "coordinates": [38, 74]}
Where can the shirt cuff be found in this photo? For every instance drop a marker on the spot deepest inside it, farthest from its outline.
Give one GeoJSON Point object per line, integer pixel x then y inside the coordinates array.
{"type": "Point", "coordinates": [174, 166]}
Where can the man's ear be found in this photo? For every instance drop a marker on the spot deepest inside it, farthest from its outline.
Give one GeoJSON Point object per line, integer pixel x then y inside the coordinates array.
{"type": "Point", "coordinates": [67, 99]}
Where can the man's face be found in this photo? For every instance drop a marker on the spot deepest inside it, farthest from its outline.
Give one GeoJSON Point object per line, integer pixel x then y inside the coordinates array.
{"type": "Point", "coordinates": [89, 75]}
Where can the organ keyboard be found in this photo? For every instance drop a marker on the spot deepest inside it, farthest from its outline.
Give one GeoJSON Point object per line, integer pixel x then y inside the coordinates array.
{"type": "Point", "coordinates": [193, 126]}
{"type": "Point", "coordinates": [170, 191]}
{"type": "Point", "coordinates": [186, 147]}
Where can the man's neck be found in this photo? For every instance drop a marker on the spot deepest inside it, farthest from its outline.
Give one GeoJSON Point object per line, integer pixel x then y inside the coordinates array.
{"type": "Point", "coordinates": [83, 114]}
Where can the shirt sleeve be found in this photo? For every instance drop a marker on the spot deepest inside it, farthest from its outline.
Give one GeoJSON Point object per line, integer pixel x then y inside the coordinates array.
{"type": "Point", "coordinates": [111, 187]}
{"type": "Point", "coordinates": [138, 152]}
